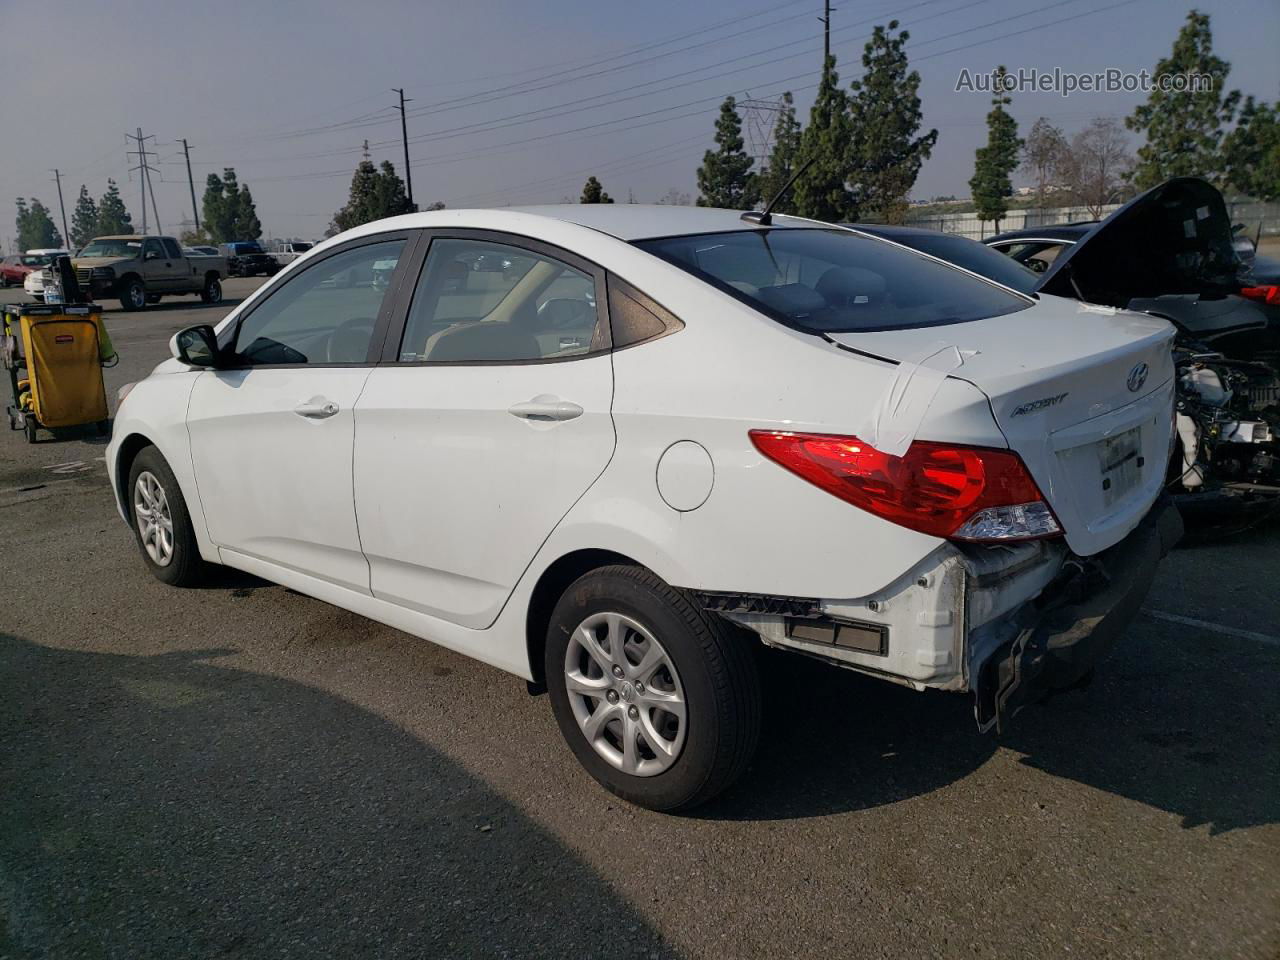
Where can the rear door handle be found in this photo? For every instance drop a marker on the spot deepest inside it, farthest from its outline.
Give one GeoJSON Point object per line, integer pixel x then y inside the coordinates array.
{"type": "Point", "coordinates": [317, 408]}
{"type": "Point", "coordinates": [545, 407]}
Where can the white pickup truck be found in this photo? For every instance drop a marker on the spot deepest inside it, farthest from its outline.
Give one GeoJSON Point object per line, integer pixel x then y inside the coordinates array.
{"type": "Point", "coordinates": [288, 251]}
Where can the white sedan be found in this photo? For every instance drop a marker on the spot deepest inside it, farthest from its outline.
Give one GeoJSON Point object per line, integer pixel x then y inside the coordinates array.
{"type": "Point", "coordinates": [656, 437]}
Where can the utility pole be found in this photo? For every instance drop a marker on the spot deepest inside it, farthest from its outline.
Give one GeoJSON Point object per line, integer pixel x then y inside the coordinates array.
{"type": "Point", "coordinates": [825, 19]}
{"type": "Point", "coordinates": [191, 183]}
{"type": "Point", "coordinates": [404, 135]}
{"type": "Point", "coordinates": [145, 170]}
{"type": "Point", "coordinates": [66, 237]}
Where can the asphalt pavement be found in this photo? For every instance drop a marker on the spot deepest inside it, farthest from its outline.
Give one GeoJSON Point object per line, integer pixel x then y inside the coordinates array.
{"type": "Point", "coordinates": [241, 771]}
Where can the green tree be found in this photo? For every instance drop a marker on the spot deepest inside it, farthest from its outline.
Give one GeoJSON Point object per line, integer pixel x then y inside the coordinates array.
{"type": "Point", "coordinates": [390, 197]}
{"type": "Point", "coordinates": [725, 178]}
{"type": "Point", "coordinates": [84, 219]}
{"type": "Point", "coordinates": [248, 226]}
{"type": "Point", "coordinates": [35, 226]}
{"type": "Point", "coordinates": [113, 216]}
{"type": "Point", "coordinates": [990, 184]}
{"type": "Point", "coordinates": [783, 158]}
{"type": "Point", "coordinates": [375, 193]}
{"type": "Point", "coordinates": [885, 112]}
{"type": "Point", "coordinates": [1251, 152]}
{"type": "Point", "coordinates": [1184, 128]}
{"type": "Point", "coordinates": [822, 191]}
{"type": "Point", "coordinates": [593, 192]}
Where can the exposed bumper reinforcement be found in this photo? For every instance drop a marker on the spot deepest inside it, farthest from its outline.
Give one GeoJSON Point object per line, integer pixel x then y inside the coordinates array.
{"type": "Point", "coordinates": [1072, 624]}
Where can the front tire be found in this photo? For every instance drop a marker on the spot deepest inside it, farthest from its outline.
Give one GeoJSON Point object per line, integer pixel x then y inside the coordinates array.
{"type": "Point", "coordinates": [658, 699]}
{"type": "Point", "coordinates": [134, 295]}
{"type": "Point", "coordinates": [212, 291]}
{"type": "Point", "coordinates": [161, 522]}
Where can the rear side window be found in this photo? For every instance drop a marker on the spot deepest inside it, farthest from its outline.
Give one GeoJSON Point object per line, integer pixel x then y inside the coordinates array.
{"type": "Point", "coordinates": [171, 248]}
{"type": "Point", "coordinates": [834, 281]}
{"type": "Point", "coordinates": [636, 317]}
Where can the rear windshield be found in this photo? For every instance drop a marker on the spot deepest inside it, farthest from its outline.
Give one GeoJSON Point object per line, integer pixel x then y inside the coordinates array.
{"type": "Point", "coordinates": [975, 256]}
{"type": "Point", "coordinates": [834, 281]}
{"type": "Point", "coordinates": [111, 248]}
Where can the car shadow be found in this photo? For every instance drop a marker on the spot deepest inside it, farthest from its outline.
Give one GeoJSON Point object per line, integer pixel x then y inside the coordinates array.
{"type": "Point", "coordinates": [1158, 726]}
{"type": "Point", "coordinates": [168, 805]}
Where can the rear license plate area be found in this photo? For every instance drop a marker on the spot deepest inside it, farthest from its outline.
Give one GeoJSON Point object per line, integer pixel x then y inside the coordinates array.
{"type": "Point", "coordinates": [1120, 465]}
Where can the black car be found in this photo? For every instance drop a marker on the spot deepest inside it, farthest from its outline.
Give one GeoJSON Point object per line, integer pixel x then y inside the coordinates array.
{"type": "Point", "coordinates": [1170, 253]}
{"type": "Point", "coordinates": [248, 259]}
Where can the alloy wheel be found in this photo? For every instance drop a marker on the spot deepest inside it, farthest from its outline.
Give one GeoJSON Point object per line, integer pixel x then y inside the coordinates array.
{"type": "Point", "coordinates": [151, 514]}
{"type": "Point", "coordinates": [625, 694]}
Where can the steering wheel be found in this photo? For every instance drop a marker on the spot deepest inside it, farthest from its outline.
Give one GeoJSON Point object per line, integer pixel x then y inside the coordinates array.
{"type": "Point", "coordinates": [561, 313]}
{"type": "Point", "coordinates": [349, 341]}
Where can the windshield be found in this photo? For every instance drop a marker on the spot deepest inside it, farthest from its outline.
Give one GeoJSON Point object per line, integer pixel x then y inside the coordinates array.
{"type": "Point", "coordinates": [240, 249]}
{"type": "Point", "coordinates": [39, 260]}
{"type": "Point", "coordinates": [974, 256]}
{"type": "Point", "coordinates": [111, 248]}
{"type": "Point", "coordinates": [834, 281]}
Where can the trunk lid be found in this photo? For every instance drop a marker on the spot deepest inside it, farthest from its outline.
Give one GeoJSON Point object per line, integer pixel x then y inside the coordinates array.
{"type": "Point", "coordinates": [1083, 394]}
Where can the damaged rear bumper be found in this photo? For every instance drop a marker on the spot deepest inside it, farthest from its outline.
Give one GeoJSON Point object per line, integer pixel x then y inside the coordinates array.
{"type": "Point", "coordinates": [1052, 642]}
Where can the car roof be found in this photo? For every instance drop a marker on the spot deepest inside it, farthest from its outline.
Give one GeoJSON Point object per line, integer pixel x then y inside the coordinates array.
{"type": "Point", "coordinates": [642, 221]}
{"type": "Point", "coordinates": [1063, 231]}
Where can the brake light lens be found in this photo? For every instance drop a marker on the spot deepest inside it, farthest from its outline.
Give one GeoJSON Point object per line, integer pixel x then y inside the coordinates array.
{"type": "Point", "coordinates": [964, 493]}
{"type": "Point", "coordinates": [1269, 294]}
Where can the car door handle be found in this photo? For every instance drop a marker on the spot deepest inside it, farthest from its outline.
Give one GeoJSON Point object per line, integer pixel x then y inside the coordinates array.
{"type": "Point", "coordinates": [545, 407]}
{"type": "Point", "coordinates": [317, 408]}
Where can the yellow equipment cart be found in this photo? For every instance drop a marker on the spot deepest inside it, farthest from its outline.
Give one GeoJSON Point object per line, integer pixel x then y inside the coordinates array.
{"type": "Point", "coordinates": [54, 353]}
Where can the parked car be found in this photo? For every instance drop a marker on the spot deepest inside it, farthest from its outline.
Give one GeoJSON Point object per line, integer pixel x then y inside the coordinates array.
{"type": "Point", "coordinates": [139, 270]}
{"type": "Point", "coordinates": [248, 259]}
{"type": "Point", "coordinates": [14, 269]}
{"type": "Point", "coordinates": [674, 433]}
{"type": "Point", "coordinates": [203, 250]}
{"type": "Point", "coordinates": [1171, 253]}
{"type": "Point", "coordinates": [33, 282]}
{"type": "Point", "coordinates": [288, 251]}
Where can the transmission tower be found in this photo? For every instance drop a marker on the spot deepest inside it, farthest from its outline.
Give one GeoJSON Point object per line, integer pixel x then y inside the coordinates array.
{"type": "Point", "coordinates": [760, 118]}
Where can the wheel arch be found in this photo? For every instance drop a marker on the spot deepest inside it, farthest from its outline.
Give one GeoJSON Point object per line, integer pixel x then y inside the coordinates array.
{"type": "Point", "coordinates": [551, 585]}
{"type": "Point", "coordinates": [130, 447]}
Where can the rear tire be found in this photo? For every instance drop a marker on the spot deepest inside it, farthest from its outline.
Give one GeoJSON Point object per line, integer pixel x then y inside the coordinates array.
{"type": "Point", "coordinates": [655, 758]}
{"type": "Point", "coordinates": [212, 292]}
{"type": "Point", "coordinates": [31, 427]}
{"type": "Point", "coordinates": [134, 295]}
{"type": "Point", "coordinates": [161, 522]}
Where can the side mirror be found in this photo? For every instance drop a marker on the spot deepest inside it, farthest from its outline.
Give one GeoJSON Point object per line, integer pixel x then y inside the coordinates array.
{"type": "Point", "coordinates": [195, 346]}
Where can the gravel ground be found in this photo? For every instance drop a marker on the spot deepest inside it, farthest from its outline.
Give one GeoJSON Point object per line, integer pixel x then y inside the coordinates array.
{"type": "Point", "coordinates": [241, 771]}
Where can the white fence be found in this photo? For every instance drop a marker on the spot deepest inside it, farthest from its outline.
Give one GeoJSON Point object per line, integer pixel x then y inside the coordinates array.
{"type": "Point", "coordinates": [1260, 219]}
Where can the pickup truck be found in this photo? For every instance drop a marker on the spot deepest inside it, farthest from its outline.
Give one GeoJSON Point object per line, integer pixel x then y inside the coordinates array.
{"type": "Point", "coordinates": [139, 270]}
{"type": "Point", "coordinates": [288, 251]}
{"type": "Point", "coordinates": [246, 258]}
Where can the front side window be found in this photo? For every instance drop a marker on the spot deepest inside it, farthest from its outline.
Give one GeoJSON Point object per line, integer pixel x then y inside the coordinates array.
{"type": "Point", "coordinates": [325, 314]}
{"type": "Point", "coordinates": [1035, 255]}
{"type": "Point", "coordinates": [834, 281]}
{"type": "Point", "coordinates": [151, 250]}
{"type": "Point", "coordinates": [481, 301]}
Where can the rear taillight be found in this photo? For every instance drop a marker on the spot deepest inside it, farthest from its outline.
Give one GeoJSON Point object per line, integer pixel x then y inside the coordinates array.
{"type": "Point", "coordinates": [965, 493]}
{"type": "Point", "coordinates": [1265, 294]}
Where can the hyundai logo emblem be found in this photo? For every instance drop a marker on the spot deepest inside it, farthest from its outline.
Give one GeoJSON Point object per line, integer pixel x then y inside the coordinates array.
{"type": "Point", "coordinates": [1137, 377]}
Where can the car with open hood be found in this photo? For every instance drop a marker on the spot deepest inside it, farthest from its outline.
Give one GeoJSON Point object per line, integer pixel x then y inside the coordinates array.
{"type": "Point", "coordinates": [1171, 252]}
{"type": "Point", "coordinates": [655, 438]}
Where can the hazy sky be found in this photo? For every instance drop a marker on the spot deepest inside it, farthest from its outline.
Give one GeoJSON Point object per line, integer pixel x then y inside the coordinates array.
{"type": "Point", "coordinates": [514, 102]}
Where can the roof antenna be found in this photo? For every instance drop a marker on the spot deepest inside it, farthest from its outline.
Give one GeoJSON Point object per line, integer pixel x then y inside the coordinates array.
{"type": "Point", "coordinates": [765, 218]}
